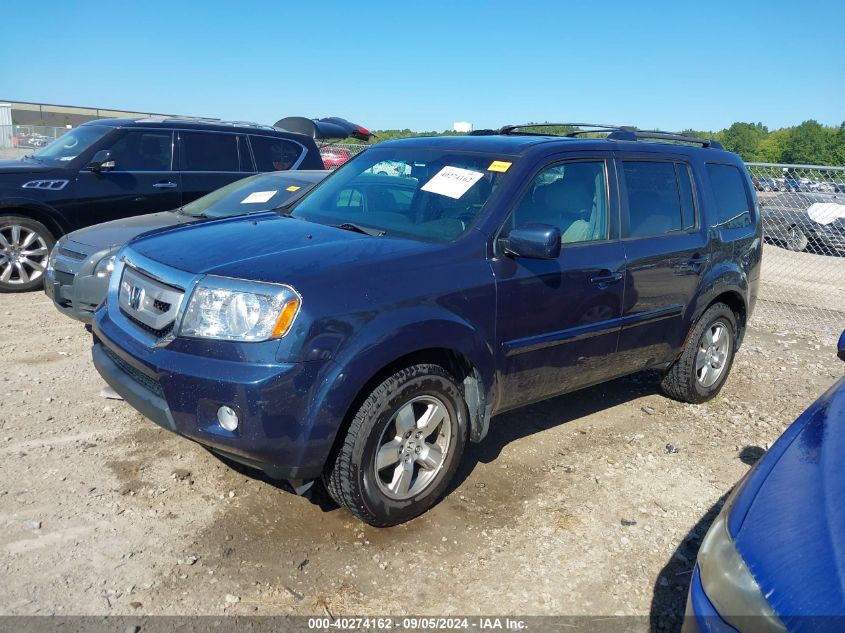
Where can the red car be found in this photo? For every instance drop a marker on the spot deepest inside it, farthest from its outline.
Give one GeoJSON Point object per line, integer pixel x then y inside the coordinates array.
{"type": "Point", "coordinates": [334, 157]}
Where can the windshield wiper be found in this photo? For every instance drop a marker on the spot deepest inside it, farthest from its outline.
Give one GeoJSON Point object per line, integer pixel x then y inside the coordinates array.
{"type": "Point", "coordinates": [357, 228]}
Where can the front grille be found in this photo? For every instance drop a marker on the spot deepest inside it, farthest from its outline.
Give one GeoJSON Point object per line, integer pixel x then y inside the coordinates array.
{"type": "Point", "coordinates": [161, 306]}
{"type": "Point", "coordinates": [141, 378]}
{"type": "Point", "coordinates": [150, 330]}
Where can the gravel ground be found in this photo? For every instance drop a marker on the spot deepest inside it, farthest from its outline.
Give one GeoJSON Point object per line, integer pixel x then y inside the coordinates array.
{"type": "Point", "coordinates": [592, 503]}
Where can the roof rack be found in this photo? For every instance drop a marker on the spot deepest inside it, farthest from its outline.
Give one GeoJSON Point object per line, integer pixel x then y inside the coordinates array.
{"type": "Point", "coordinates": [614, 133]}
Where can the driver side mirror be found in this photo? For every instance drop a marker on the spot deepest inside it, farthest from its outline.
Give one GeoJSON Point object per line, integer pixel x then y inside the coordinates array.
{"type": "Point", "coordinates": [841, 347]}
{"type": "Point", "coordinates": [102, 161]}
{"type": "Point", "coordinates": [535, 241]}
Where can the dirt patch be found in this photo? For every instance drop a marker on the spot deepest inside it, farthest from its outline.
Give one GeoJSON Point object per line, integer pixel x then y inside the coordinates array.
{"type": "Point", "coordinates": [591, 503]}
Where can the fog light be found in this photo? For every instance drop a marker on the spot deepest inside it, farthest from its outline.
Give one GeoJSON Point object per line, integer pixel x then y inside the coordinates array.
{"type": "Point", "coordinates": [227, 418]}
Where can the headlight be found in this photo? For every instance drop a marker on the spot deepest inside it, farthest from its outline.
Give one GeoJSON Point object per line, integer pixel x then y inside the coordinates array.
{"type": "Point", "coordinates": [51, 260]}
{"type": "Point", "coordinates": [104, 267]}
{"type": "Point", "coordinates": [729, 584]}
{"type": "Point", "coordinates": [235, 310]}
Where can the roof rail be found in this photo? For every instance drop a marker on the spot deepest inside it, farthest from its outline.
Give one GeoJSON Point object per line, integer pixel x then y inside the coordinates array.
{"type": "Point", "coordinates": [614, 133]}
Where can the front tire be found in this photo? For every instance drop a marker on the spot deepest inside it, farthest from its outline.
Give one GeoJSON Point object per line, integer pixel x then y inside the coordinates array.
{"type": "Point", "coordinates": [24, 249]}
{"type": "Point", "coordinates": [700, 372]}
{"type": "Point", "coordinates": [402, 447]}
{"type": "Point", "coordinates": [796, 240]}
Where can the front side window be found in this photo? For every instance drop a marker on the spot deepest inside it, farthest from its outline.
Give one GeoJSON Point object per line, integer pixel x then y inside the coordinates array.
{"type": "Point", "coordinates": [143, 150]}
{"type": "Point", "coordinates": [427, 194]}
{"type": "Point", "coordinates": [207, 151]}
{"type": "Point", "coordinates": [660, 198]}
{"type": "Point", "coordinates": [732, 207]}
{"type": "Point", "coordinates": [570, 196]}
{"type": "Point", "coordinates": [274, 154]}
{"type": "Point", "coordinates": [71, 144]}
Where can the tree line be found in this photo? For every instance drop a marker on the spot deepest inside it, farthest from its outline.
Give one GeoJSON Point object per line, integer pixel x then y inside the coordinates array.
{"type": "Point", "coordinates": [809, 143]}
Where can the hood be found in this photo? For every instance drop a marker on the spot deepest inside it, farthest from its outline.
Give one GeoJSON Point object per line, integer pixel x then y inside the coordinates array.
{"type": "Point", "coordinates": [793, 535]}
{"type": "Point", "coordinates": [267, 247]}
{"type": "Point", "coordinates": [24, 167]}
{"type": "Point", "coordinates": [118, 232]}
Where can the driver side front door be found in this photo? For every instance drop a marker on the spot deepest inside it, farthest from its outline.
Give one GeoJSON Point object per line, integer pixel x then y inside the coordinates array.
{"type": "Point", "coordinates": [558, 320]}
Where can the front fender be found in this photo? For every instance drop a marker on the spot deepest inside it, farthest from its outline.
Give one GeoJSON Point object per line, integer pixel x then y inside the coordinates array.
{"type": "Point", "coordinates": [36, 210]}
{"type": "Point", "coordinates": [381, 342]}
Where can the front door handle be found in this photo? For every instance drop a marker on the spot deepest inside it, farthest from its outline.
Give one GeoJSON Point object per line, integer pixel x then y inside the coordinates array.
{"type": "Point", "coordinates": [165, 185]}
{"type": "Point", "coordinates": [606, 278]}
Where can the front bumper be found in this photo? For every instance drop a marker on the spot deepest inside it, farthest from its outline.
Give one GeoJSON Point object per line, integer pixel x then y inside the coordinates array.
{"type": "Point", "coordinates": [701, 616]}
{"type": "Point", "coordinates": [183, 392]}
{"type": "Point", "coordinates": [75, 295]}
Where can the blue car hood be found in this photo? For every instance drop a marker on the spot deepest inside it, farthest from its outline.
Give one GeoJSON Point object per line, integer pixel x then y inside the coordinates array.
{"type": "Point", "coordinates": [267, 247]}
{"type": "Point", "coordinates": [793, 534]}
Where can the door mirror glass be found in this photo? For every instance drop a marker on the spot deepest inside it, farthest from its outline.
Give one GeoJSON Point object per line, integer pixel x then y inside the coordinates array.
{"type": "Point", "coordinates": [102, 161]}
{"type": "Point", "coordinates": [841, 347]}
{"type": "Point", "coordinates": [536, 241]}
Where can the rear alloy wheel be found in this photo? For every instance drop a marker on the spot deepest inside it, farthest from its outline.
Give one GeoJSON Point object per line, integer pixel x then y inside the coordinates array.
{"type": "Point", "coordinates": [796, 240]}
{"type": "Point", "coordinates": [24, 250]}
{"type": "Point", "coordinates": [704, 364]}
{"type": "Point", "coordinates": [402, 447]}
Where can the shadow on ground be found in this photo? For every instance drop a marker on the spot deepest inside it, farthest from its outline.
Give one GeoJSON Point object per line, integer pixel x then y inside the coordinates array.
{"type": "Point", "coordinates": [672, 584]}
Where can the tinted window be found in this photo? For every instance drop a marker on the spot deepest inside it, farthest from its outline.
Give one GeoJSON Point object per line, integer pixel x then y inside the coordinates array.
{"type": "Point", "coordinates": [274, 154]}
{"type": "Point", "coordinates": [570, 196]}
{"type": "Point", "coordinates": [732, 207]}
{"type": "Point", "coordinates": [687, 195]}
{"type": "Point", "coordinates": [654, 202]}
{"type": "Point", "coordinates": [143, 151]}
{"type": "Point", "coordinates": [205, 151]}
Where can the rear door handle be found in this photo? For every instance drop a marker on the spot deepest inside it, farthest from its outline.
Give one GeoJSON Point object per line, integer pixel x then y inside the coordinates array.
{"type": "Point", "coordinates": [165, 185]}
{"type": "Point", "coordinates": [606, 278]}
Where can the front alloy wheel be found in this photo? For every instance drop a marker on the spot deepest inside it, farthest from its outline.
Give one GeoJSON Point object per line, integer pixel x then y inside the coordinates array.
{"type": "Point", "coordinates": [402, 446]}
{"type": "Point", "coordinates": [24, 251]}
{"type": "Point", "coordinates": [414, 447]}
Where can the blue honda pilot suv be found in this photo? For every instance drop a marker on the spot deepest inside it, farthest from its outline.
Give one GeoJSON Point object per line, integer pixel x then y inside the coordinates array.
{"type": "Point", "coordinates": [364, 334]}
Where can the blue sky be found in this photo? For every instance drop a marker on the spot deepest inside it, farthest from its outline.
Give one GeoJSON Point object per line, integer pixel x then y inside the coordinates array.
{"type": "Point", "coordinates": [425, 64]}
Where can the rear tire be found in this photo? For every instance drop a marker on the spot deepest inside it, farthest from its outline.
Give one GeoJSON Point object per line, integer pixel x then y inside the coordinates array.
{"type": "Point", "coordinates": [796, 240]}
{"type": "Point", "coordinates": [402, 447]}
{"type": "Point", "coordinates": [25, 246]}
{"type": "Point", "coordinates": [700, 372]}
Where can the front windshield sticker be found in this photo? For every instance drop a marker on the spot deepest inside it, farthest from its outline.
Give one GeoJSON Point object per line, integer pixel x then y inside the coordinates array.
{"type": "Point", "coordinates": [826, 212]}
{"type": "Point", "coordinates": [259, 196]}
{"type": "Point", "coordinates": [293, 188]}
{"type": "Point", "coordinates": [453, 182]}
{"type": "Point", "coordinates": [499, 165]}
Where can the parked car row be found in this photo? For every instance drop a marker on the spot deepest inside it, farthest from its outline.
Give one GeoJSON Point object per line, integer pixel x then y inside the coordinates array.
{"type": "Point", "coordinates": [116, 168]}
{"type": "Point", "coordinates": [358, 330]}
{"type": "Point", "coordinates": [792, 184]}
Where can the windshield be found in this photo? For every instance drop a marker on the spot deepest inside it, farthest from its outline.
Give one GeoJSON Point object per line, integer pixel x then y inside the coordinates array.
{"type": "Point", "coordinates": [261, 192]}
{"type": "Point", "coordinates": [427, 194]}
{"type": "Point", "coordinates": [72, 143]}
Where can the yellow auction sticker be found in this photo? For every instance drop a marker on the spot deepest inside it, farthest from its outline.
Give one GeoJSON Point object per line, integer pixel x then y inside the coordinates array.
{"type": "Point", "coordinates": [293, 188]}
{"type": "Point", "coordinates": [499, 165]}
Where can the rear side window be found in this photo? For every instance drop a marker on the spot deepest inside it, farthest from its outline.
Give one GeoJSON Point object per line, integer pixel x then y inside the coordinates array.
{"type": "Point", "coordinates": [660, 198]}
{"type": "Point", "coordinates": [143, 151]}
{"type": "Point", "coordinates": [274, 154]}
{"type": "Point", "coordinates": [203, 151]}
{"type": "Point", "coordinates": [732, 207]}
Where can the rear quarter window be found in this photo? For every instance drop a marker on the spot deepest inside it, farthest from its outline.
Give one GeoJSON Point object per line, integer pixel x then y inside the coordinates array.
{"type": "Point", "coordinates": [733, 208]}
{"type": "Point", "coordinates": [274, 154]}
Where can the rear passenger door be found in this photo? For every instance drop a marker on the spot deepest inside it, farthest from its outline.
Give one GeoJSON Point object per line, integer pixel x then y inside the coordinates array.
{"type": "Point", "coordinates": [667, 253]}
{"type": "Point", "coordinates": [209, 160]}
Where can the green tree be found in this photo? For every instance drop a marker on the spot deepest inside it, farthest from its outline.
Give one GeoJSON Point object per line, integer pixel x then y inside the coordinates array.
{"type": "Point", "coordinates": [744, 139]}
{"type": "Point", "coordinates": [810, 143]}
{"type": "Point", "coordinates": [772, 147]}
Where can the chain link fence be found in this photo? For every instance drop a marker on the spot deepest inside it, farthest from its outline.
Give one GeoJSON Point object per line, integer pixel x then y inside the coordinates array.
{"type": "Point", "coordinates": [803, 278]}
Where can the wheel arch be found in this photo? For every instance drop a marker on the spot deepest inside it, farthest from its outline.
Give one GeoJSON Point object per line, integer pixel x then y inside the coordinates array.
{"type": "Point", "coordinates": [38, 212]}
